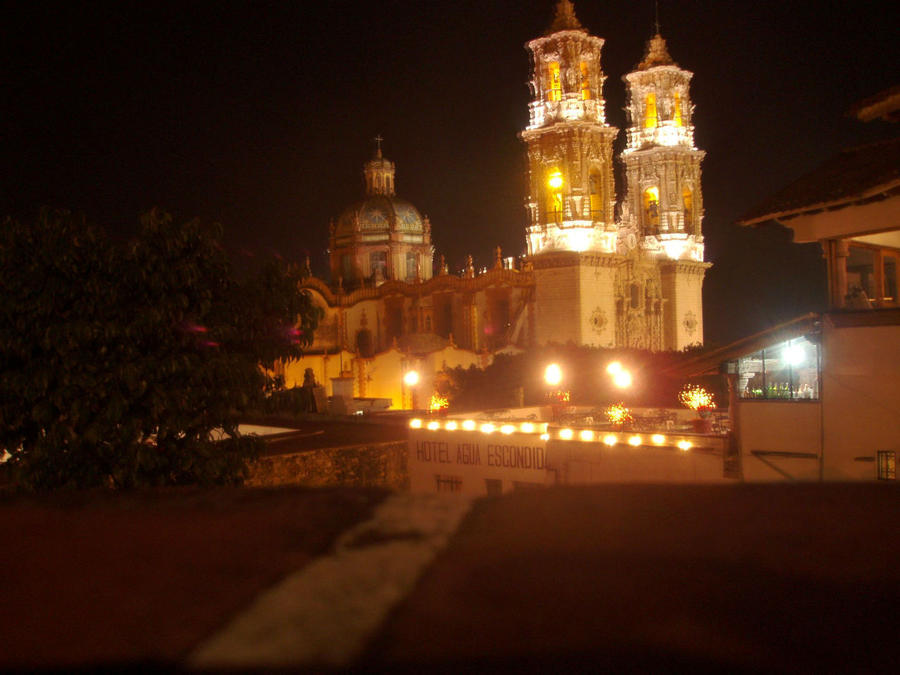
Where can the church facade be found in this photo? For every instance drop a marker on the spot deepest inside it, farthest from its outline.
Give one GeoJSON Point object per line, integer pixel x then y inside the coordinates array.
{"type": "Point", "coordinates": [598, 270]}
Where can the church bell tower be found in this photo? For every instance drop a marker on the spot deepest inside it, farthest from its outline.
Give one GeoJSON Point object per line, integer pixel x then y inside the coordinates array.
{"type": "Point", "coordinates": [663, 208]}
{"type": "Point", "coordinates": [571, 235]}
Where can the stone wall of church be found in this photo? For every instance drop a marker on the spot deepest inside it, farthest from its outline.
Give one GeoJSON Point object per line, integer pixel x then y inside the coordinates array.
{"type": "Point", "coordinates": [682, 287]}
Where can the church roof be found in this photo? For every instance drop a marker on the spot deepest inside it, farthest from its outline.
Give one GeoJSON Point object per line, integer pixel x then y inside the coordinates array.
{"type": "Point", "coordinates": [656, 54]}
{"type": "Point", "coordinates": [855, 175]}
{"type": "Point", "coordinates": [565, 18]}
{"type": "Point", "coordinates": [379, 215]}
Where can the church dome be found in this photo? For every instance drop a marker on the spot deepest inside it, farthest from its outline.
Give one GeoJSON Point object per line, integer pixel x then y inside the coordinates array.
{"type": "Point", "coordinates": [379, 215]}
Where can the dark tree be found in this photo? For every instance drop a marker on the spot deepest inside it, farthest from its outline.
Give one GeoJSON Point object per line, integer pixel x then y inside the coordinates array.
{"type": "Point", "coordinates": [130, 366]}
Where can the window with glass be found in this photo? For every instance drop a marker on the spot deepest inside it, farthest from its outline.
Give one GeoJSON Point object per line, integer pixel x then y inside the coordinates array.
{"type": "Point", "coordinates": [886, 463]}
{"type": "Point", "coordinates": [650, 116]}
{"type": "Point", "coordinates": [410, 266]}
{"type": "Point", "coordinates": [554, 91]}
{"type": "Point", "coordinates": [788, 371]}
{"type": "Point", "coordinates": [378, 261]}
{"type": "Point", "coordinates": [585, 82]}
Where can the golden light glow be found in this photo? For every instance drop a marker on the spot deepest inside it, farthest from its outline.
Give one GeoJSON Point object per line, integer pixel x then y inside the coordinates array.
{"type": "Point", "coordinates": [618, 414]}
{"type": "Point", "coordinates": [438, 402]}
{"type": "Point", "coordinates": [487, 428]}
{"type": "Point", "coordinates": [527, 428]}
{"type": "Point", "coordinates": [433, 426]}
{"type": "Point", "coordinates": [695, 397]}
{"type": "Point", "coordinates": [554, 93]}
{"type": "Point", "coordinates": [586, 435]}
{"type": "Point", "coordinates": [678, 120]}
{"type": "Point", "coordinates": [507, 429]}
{"type": "Point", "coordinates": [469, 425]}
{"type": "Point", "coordinates": [658, 439]}
{"type": "Point", "coordinates": [651, 206]}
{"type": "Point", "coordinates": [556, 180]}
{"type": "Point", "coordinates": [635, 441]}
{"type": "Point", "coordinates": [545, 437]}
{"type": "Point", "coordinates": [614, 367]}
{"type": "Point", "coordinates": [650, 116]}
{"type": "Point", "coordinates": [622, 379]}
{"type": "Point", "coordinates": [585, 82]}
{"type": "Point", "coordinates": [415, 423]}
{"type": "Point", "coordinates": [684, 445]}
{"type": "Point", "coordinates": [411, 378]}
{"type": "Point", "coordinates": [566, 434]}
{"type": "Point", "coordinates": [451, 426]}
{"type": "Point", "coordinates": [553, 375]}
{"type": "Point", "coordinates": [609, 440]}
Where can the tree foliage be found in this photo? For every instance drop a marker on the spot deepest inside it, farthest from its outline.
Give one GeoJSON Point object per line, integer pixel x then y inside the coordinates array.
{"type": "Point", "coordinates": [130, 365]}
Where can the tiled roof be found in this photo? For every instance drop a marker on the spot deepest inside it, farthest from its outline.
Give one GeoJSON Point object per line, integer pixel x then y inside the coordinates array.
{"type": "Point", "coordinates": [855, 175]}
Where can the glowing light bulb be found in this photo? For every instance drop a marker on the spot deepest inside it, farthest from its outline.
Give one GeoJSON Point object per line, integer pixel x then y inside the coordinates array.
{"type": "Point", "coordinates": [507, 429]}
{"type": "Point", "coordinates": [527, 428]}
{"type": "Point", "coordinates": [635, 441]}
{"type": "Point", "coordinates": [415, 424]}
{"type": "Point", "coordinates": [614, 368]}
{"type": "Point", "coordinates": [488, 428]}
{"type": "Point", "coordinates": [658, 439]}
{"type": "Point", "coordinates": [566, 434]}
{"type": "Point", "coordinates": [684, 445]}
{"type": "Point", "coordinates": [609, 440]}
{"type": "Point", "coordinates": [451, 426]}
{"type": "Point", "coordinates": [556, 180]}
{"type": "Point", "coordinates": [469, 425]}
{"type": "Point", "coordinates": [553, 375]}
{"type": "Point", "coordinates": [411, 378]}
{"type": "Point", "coordinates": [622, 379]}
{"type": "Point", "coordinates": [434, 426]}
{"type": "Point", "coordinates": [586, 435]}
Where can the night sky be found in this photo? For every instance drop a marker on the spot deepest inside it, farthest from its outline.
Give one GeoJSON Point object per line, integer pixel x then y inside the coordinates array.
{"type": "Point", "coordinates": [260, 116]}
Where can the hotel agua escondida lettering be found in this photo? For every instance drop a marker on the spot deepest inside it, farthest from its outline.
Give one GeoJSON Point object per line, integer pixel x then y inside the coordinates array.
{"type": "Point", "coordinates": [475, 461]}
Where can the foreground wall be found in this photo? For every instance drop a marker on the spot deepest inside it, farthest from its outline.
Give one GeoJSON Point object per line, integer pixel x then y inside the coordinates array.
{"type": "Point", "coordinates": [375, 465]}
{"type": "Point", "coordinates": [861, 395]}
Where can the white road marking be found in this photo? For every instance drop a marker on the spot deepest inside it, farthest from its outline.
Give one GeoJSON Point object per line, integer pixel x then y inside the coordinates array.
{"type": "Point", "coordinates": [325, 613]}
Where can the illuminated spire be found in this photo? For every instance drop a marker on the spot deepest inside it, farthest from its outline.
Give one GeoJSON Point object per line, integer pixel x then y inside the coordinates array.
{"type": "Point", "coordinates": [565, 18]}
{"type": "Point", "coordinates": [657, 53]}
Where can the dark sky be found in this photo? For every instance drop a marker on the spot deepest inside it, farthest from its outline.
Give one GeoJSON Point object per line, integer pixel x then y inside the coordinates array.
{"type": "Point", "coordinates": [260, 116]}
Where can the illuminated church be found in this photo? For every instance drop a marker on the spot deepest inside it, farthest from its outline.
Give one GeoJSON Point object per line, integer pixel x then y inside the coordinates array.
{"type": "Point", "coordinates": [597, 271]}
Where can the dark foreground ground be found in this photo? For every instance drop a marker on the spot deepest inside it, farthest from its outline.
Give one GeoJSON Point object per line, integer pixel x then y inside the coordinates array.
{"type": "Point", "coordinates": [772, 578]}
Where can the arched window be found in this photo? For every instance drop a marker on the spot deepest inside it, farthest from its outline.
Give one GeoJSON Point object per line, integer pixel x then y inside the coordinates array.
{"type": "Point", "coordinates": [555, 202]}
{"type": "Point", "coordinates": [678, 119]}
{"type": "Point", "coordinates": [596, 195]}
{"type": "Point", "coordinates": [687, 202]}
{"type": "Point", "coordinates": [651, 119]}
{"type": "Point", "coordinates": [651, 209]}
{"type": "Point", "coordinates": [585, 82]}
{"type": "Point", "coordinates": [554, 90]}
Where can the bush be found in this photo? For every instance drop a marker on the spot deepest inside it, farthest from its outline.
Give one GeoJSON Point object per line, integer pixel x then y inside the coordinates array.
{"type": "Point", "coordinates": [121, 365]}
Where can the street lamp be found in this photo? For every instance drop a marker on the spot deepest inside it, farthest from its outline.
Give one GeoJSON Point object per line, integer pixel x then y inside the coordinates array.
{"type": "Point", "coordinates": [553, 375]}
{"type": "Point", "coordinates": [621, 377]}
{"type": "Point", "coordinates": [411, 379]}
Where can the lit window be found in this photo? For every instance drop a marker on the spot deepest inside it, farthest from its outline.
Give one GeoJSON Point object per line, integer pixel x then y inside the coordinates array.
{"type": "Point", "coordinates": [378, 261]}
{"type": "Point", "coordinates": [687, 201]}
{"type": "Point", "coordinates": [678, 119]}
{"type": "Point", "coordinates": [886, 464]}
{"type": "Point", "coordinates": [651, 209]}
{"type": "Point", "coordinates": [785, 371]}
{"type": "Point", "coordinates": [650, 117]}
{"type": "Point", "coordinates": [554, 91]}
{"type": "Point", "coordinates": [596, 195]}
{"type": "Point", "coordinates": [585, 82]}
